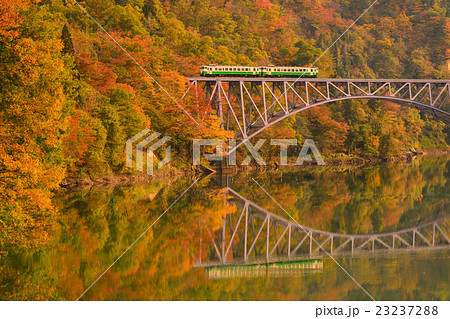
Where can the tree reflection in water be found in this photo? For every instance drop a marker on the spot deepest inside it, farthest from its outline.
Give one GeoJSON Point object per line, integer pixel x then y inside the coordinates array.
{"type": "Point", "coordinates": [97, 225]}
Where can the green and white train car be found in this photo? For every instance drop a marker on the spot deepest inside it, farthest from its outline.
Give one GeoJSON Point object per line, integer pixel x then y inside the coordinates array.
{"type": "Point", "coordinates": [213, 70]}
{"type": "Point", "coordinates": [229, 70]}
{"type": "Point", "coordinates": [289, 71]}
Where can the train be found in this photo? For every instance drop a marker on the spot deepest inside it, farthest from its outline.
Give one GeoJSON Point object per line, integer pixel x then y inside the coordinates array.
{"type": "Point", "coordinates": [214, 70]}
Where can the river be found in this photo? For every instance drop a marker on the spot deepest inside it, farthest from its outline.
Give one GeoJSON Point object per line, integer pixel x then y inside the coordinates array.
{"type": "Point", "coordinates": [97, 225]}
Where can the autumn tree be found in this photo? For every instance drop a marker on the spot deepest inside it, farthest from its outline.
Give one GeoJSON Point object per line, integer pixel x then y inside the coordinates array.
{"type": "Point", "coordinates": [33, 106]}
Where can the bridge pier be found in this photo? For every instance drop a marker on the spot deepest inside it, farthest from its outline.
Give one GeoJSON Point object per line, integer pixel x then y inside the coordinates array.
{"type": "Point", "coordinates": [223, 166]}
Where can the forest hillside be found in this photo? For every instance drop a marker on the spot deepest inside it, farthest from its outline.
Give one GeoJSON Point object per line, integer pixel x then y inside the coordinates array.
{"type": "Point", "coordinates": [70, 97]}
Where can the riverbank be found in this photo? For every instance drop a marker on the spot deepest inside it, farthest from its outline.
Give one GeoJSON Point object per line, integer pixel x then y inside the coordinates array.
{"type": "Point", "coordinates": [173, 172]}
{"type": "Point", "coordinates": [118, 179]}
{"type": "Point", "coordinates": [337, 160]}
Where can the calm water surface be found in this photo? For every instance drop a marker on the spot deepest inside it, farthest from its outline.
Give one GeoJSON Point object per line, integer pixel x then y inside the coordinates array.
{"type": "Point", "coordinates": [98, 224]}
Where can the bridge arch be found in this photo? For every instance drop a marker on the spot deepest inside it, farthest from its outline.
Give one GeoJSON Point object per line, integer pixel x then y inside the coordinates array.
{"type": "Point", "coordinates": [437, 113]}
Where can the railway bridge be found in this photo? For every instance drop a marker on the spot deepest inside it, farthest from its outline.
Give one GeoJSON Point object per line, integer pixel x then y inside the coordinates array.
{"type": "Point", "coordinates": [248, 106]}
{"type": "Point", "coordinates": [255, 235]}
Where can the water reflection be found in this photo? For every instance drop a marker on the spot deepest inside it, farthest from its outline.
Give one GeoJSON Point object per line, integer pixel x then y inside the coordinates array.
{"type": "Point", "coordinates": [98, 224]}
{"type": "Point", "coordinates": [254, 235]}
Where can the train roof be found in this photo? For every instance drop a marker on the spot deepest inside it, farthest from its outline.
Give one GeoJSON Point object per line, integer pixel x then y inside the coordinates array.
{"type": "Point", "coordinates": [259, 66]}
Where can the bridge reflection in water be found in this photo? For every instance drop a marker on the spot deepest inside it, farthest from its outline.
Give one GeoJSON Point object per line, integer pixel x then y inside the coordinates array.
{"type": "Point", "coordinates": [256, 242]}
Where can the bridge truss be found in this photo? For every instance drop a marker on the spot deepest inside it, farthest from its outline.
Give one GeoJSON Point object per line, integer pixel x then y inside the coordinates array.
{"type": "Point", "coordinates": [250, 105]}
{"type": "Point", "coordinates": [255, 234]}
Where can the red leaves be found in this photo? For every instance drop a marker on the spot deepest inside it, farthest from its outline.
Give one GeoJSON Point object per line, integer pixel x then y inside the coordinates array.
{"type": "Point", "coordinates": [79, 137]}
{"type": "Point", "coordinates": [97, 73]}
{"type": "Point", "coordinates": [9, 17]}
{"type": "Point", "coordinates": [329, 134]}
{"type": "Point", "coordinates": [263, 4]}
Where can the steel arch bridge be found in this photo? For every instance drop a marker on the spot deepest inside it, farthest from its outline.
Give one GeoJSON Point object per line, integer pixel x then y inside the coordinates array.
{"type": "Point", "coordinates": [248, 106]}
{"type": "Point", "coordinates": [255, 235]}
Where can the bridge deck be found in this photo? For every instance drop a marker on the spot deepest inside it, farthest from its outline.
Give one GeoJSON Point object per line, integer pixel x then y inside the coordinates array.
{"type": "Point", "coordinates": [259, 79]}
